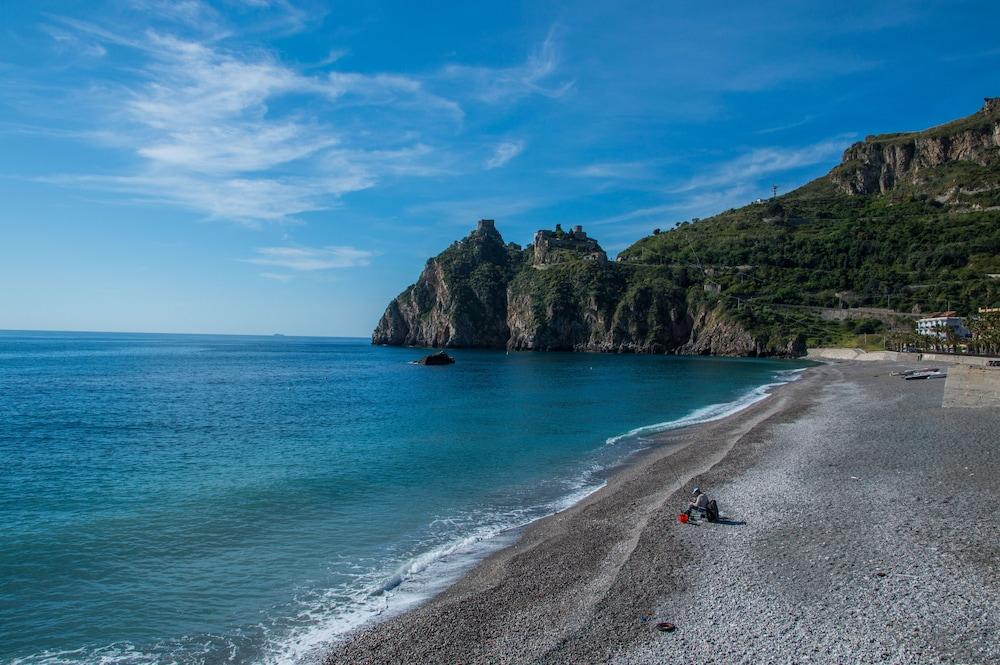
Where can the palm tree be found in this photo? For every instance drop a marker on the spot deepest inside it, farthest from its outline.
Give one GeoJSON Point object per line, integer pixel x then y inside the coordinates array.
{"type": "Point", "coordinates": [986, 332]}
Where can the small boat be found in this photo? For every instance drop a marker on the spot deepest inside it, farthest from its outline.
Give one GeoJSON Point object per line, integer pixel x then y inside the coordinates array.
{"type": "Point", "coordinates": [911, 372]}
{"type": "Point", "coordinates": [925, 374]}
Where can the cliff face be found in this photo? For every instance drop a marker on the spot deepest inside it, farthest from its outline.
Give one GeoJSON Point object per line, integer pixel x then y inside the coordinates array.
{"type": "Point", "coordinates": [460, 299]}
{"type": "Point", "coordinates": [561, 294]}
{"type": "Point", "coordinates": [912, 217]}
{"type": "Point", "coordinates": [716, 335]}
{"type": "Point", "coordinates": [880, 163]}
{"type": "Point", "coordinates": [591, 308]}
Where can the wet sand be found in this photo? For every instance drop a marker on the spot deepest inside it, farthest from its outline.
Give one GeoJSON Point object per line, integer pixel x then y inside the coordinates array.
{"type": "Point", "coordinates": [860, 524]}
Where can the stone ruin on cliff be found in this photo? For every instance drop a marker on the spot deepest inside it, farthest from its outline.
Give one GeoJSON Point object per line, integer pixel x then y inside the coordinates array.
{"type": "Point", "coordinates": [557, 246]}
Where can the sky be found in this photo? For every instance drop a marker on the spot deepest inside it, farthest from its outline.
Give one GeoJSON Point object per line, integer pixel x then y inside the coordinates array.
{"type": "Point", "coordinates": [288, 166]}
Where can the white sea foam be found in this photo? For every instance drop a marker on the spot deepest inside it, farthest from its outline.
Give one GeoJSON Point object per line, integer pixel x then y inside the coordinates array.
{"type": "Point", "coordinates": [416, 579]}
{"type": "Point", "coordinates": [712, 411]}
{"type": "Point", "coordinates": [429, 572]}
{"type": "Point", "coordinates": [320, 617]}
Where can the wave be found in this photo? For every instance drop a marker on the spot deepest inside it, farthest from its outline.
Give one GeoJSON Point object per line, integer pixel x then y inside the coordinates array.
{"type": "Point", "coordinates": [429, 572]}
{"type": "Point", "coordinates": [303, 630]}
{"type": "Point", "coordinates": [419, 577]}
{"type": "Point", "coordinates": [712, 411]}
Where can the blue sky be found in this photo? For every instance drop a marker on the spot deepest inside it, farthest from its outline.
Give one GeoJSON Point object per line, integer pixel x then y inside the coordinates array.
{"type": "Point", "coordinates": [264, 166]}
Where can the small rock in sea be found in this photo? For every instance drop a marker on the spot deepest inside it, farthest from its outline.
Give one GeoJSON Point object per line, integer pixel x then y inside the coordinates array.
{"type": "Point", "coordinates": [440, 358]}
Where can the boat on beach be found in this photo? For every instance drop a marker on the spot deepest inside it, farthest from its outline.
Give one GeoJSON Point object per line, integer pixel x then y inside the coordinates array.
{"type": "Point", "coordinates": [915, 375]}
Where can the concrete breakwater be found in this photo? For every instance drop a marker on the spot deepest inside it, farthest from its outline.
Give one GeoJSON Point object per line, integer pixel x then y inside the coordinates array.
{"type": "Point", "coordinates": [971, 381]}
{"type": "Point", "coordinates": [897, 356]}
{"type": "Point", "coordinates": [971, 386]}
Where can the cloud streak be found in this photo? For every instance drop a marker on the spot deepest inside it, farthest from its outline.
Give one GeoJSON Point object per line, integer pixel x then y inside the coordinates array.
{"type": "Point", "coordinates": [503, 153]}
{"type": "Point", "coordinates": [725, 185]}
{"type": "Point", "coordinates": [537, 75]}
{"type": "Point", "coordinates": [216, 130]}
{"type": "Point", "coordinates": [611, 171]}
{"type": "Point", "coordinates": [768, 160]}
{"type": "Point", "coordinates": [310, 259]}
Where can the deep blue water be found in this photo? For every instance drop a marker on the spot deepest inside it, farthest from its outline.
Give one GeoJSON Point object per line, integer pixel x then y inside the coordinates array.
{"type": "Point", "coordinates": [185, 498]}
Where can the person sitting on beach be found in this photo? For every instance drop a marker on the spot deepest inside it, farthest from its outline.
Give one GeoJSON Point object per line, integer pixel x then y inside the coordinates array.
{"type": "Point", "coordinates": [699, 502]}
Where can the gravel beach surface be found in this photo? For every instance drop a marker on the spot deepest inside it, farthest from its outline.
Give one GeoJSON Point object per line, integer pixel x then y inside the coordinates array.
{"type": "Point", "coordinates": [860, 525]}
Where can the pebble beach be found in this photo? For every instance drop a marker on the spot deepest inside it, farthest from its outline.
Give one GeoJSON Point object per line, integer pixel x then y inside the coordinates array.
{"type": "Point", "coordinates": [859, 525]}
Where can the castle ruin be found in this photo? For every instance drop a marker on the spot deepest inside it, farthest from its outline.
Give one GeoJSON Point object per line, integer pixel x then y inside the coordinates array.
{"type": "Point", "coordinates": [558, 245]}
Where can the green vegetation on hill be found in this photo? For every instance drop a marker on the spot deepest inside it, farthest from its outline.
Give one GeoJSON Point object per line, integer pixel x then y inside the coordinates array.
{"type": "Point", "coordinates": [908, 223]}
{"type": "Point", "coordinates": [817, 246]}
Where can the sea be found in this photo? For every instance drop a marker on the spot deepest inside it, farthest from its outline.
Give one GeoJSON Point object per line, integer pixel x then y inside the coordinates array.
{"type": "Point", "coordinates": [235, 499]}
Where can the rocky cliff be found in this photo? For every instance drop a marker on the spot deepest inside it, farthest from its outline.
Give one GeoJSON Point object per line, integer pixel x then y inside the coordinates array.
{"type": "Point", "coordinates": [460, 298]}
{"type": "Point", "coordinates": [909, 222]}
{"type": "Point", "coordinates": [713, 333]}
{"type": "Point", "coordinates": [560, 294]}
{"type": "Point", "coordinates": [881, 163]}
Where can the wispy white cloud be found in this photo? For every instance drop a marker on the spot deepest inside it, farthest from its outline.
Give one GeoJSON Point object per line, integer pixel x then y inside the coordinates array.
{"type": "Point", "coordinates": [503, 153]}
{"type": "Point", "coordinates": [639, 170]}
{"type": "Point", "coordinates": [764, 161]}
{"type": "Point", "coordinates": [247, 201]}
{"type": "Point", "coordinates": [67, 41]}
{"type": "Point", "coordinates": [758, 76]}
{"type": "Point", "coordinates": [972, 55]}
{"type": "Point", "coordinates": [236, 133]}
{"type": "Point", "coordinates": [308, 259]}
{"type": "Point", "coordinates": [215, 134]}
{"type": "Point", "coordinates": [189, 13]}
{"type": "Point", "coordinates": [699, 204]}
{"type": "Point", "coordinates": [722, 186]}
{"type": "Point", "coordinates": [790, 125]}
{"type": "Point", "coordinates": [277, 276]}
{"type": "Point", "coordinates": [537, 75]}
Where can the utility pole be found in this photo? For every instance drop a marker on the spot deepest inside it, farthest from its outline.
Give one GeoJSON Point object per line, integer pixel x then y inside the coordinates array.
{"type": "Point", "coordinates": [774, 191]}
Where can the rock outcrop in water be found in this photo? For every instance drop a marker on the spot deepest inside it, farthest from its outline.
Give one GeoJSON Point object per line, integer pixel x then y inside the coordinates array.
{"type": "Point", "coordinates": [460, 298]}
{"type": "Point", "coordinates": [434, 359]}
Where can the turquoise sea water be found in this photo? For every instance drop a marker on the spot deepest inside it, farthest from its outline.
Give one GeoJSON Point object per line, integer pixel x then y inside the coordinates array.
{"type": "Point", "coordinates": [212, 499]}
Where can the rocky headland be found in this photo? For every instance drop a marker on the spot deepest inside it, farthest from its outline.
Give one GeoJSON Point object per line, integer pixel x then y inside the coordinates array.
{"type": "Point", "coordinates": [908, 222]}
{"type": "Point", "coordinates": [558, 294]}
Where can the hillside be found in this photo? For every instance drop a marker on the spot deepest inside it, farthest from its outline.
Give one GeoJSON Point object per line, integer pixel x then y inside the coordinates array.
{"type": "Point", "coordinates": [921, 232]}
{"type": "Point", "coordinates": [560, 293]}
{"type": "Point", "coordinates": [908, 222]}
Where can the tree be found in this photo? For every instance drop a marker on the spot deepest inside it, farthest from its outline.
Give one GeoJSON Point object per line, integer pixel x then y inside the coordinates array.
{"type": "Point", "coordinates": [951, 339]}
{"type": "Point", "coordinates": [986, 332]}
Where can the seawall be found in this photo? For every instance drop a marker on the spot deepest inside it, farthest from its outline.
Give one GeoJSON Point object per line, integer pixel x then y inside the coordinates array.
{"type": "Point", "coordinates": [896, 356]}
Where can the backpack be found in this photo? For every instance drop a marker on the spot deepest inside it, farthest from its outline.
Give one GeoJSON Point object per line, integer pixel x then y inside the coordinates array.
{"type": "Point", "coordinates": [712, 511]}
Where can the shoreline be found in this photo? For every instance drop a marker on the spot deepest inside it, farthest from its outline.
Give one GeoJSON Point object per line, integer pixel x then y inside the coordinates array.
{"type": "Point", "coordinates": [463, 558]}
{"type": "Point", "coordinates": [583, 584]}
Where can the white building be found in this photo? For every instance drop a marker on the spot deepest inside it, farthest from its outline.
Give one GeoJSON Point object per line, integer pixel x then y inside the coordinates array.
{"type": "Point", "coordinates": [932, 325]}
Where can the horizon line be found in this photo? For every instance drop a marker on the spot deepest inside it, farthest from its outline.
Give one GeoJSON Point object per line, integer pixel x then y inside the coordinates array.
{"type": "Point", "coordinates": [153, 332]}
